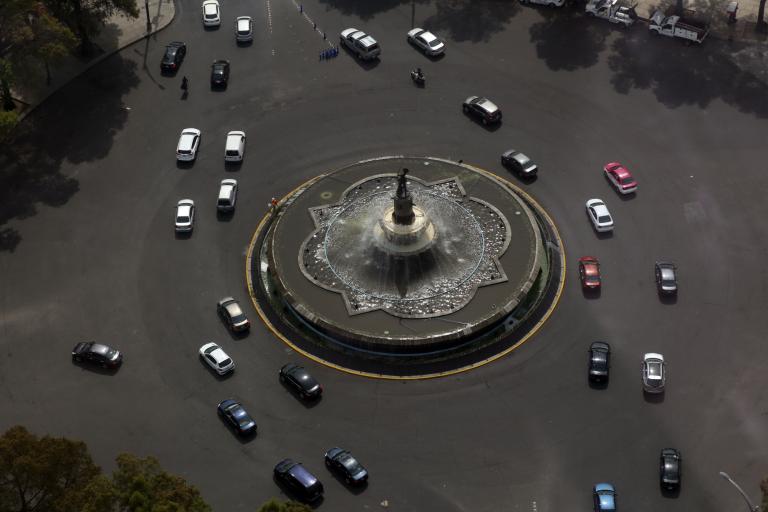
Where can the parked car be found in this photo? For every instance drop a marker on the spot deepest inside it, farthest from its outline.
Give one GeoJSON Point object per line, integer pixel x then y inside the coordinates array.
{"type": "Point", "coordinates": [234, 148]}
{"type": "Point", "coordinates": [361, 44]}
{"type": "Point", "coordinates": [426, 41]}
{"type": "Point", "coordinates": [232, 313]}
{"type": "Point", "coordinates": [620, 177]}
{"type": "Point", "coordinates": [211, 13]}
{"type": "Point", "coordinates": [185, 216]}
{"type": "Point", "coordinates": [97, 353]}
{"type": "Point", "coordinates": [216, 358]}
{"type": "Point", "coordinates": [670, 469]}
{"type": "Point", "coordinates": [666, 277]}
{"type": "Point", "coordinates": [237, 417]}
{"type": "Point", "coordinates": [654, 373]}
{"type": "Point", "coordinates": [604, 497]}
{"type": "Point", "coordinates": [599, 215]}
{"type": "Point", "coordinates": [599, 361]}
{"type": "Point", "coordinates": [298, 479]}
{"type": "Point", "coordinates": [482, 108]}
{"type": "Point", "coordinates": [189, 140]}
{"type": "Point", "coordinates": [298, 378]}
{"type": "Point", "coordinates": [346, 465]}
{"type": "Point", "coordinates": [225, 203]}
{"type": "Point", "coordinates": [519, 163]}
{"type": "Point", "coordinates": [243, 29]}
{"type": "Point", "coordinates": [173, 57]}
{"type": "Point", "coordinates": [589, 273]}
{"type": "Point", "coordinates": [220, 73]}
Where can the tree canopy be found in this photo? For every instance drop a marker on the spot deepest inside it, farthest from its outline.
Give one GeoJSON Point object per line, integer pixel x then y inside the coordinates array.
{"type": "Point", "coordinates": [274, 505]}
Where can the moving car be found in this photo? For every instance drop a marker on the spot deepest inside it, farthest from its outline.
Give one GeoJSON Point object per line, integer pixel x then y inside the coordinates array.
{"type": "Point", "coordinates": [301, 381]}
{"type": "Point", "coordinates": [220, 73]}
{"type": "Point", "coordinates": [426, 41]}
{"type": "Point", "coordinates": [482, 108]}
{"type": "Point", "coordinates": [216, 358]}
{"type": "Point", "coordinates": [361, 44]}
{"type": "Point", "coordinates": [670, 469]}
{"type": "Point", "coordinates": [620, 177]}
{"type": "Point", "coordinates": [654, 373]}
{"type": "Point", "coordinates": [519, 163]}
{"type": "Point", "coordinates": [599, 361]}
{"type": "Point", "coordinates": [604, 497]}
{"type": "Point", "coordinates": [243, 29]}
{"type": "Point", "coordinates": [189, 140]}
{"type": "Point", "coordinates": [666, 277]}
{"type": "Point", "coordinates": [230, 311]}
{"type": "Point", "coordinates": [234, 148]}
{"type": "Point", "coordinates": [211, 13]}
{"type": "Point", "coordinates": [173, 56]}
{"type": "Point", "coordinates": [227, 196]}
{"type": "Point", "coordinates": [297, 478]}
{"type": "Point", "coordinates": [599, 215]}
{"type": "Point", "coordinates": [237, 417]}
{"type": "Point", "coordinates": [96, 353]}
{"type": "Point", "coordinates": [589, 273]}
{"type": "Point", "coordinates": [185, 216]}
{"type": "Point", "coordinates": [346, 465]}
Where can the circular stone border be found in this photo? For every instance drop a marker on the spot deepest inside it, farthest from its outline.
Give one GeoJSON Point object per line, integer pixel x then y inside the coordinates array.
{"type": "Point", "coordinates": [429, 369]}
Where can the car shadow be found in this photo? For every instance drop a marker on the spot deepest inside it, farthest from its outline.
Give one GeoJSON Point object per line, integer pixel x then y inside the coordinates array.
{"type": "Point", "coordinates": [653, 398]}
{"type": "Point", "coordinates": [307, 403]}
{"type": "Point", "coordinates": [182, 235]}
{"type": "Point", "coordinates": [669, 300]}
{"type": "Point", "coordinates": [290, 493]}
{"type": "Point", "coordinates": [224, 216]}
{"type": "Point", "coordinates": [603, 235]}
{"type": "Point", "coordinates": [591, 293]}
{"type": "Point", "coordinates": [243, 439]}
{"type": "Point", "coordinates": [672, 494]}
{"type": "Point", "coordinates": [353, 489]}
{"type": "Point", "coordinates": [525, 180]}
{"type": "Point", "coordinates": [211, 28]}
{"type": "Point", "coordinates": [213, 372]}
{"type": "Point", "coordinates": [244, 44]}
{"type": "Point", "coordinates": [627, 197]}
{"type": "Point", "coordinates": [230, 166]}
{"type": "Point", "coordinates": [598, 385]}
{"type": "Point", "coordinates": [488, 127]}
{"type": "Point", "coordinates": [96, 369]}
{"type": "Point", "coordinates": [365, 64]}
{"type": "Point", "coordinates": [218, 88]}
{"type": "Point", "coordinates": [184, 164]}
{"type": "Point", "coordinates": [239, 335]}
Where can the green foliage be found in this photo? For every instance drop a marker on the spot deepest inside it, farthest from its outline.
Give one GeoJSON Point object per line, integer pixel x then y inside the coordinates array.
{"type": "Point", "coordinates": [764, 488]}
{"type": "Point", "coordinates": [8, 120]}
{"type": "Point", "coordinates": [86, 17]}
{"type": "Point", "coordinates": [275, 505]}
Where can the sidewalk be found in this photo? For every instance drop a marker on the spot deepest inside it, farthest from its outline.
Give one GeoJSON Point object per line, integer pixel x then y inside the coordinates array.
{"type": "Point", "coordinates": [117, 33]}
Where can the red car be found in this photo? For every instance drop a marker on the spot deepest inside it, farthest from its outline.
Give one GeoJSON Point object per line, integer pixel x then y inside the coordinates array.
{"type": "Point", "coordinates": [589, 272]}
{"type": "Point", "coordinates": [620, 178]}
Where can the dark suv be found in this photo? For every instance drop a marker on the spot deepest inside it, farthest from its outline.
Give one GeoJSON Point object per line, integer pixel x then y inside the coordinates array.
{"type": "Point", "coordinates": [298, 479]}
{"type": "Point", "coordinates": [670, 469]}
{"type": "Point", "coordinates": [298, 378]}
{"type": "Point", "coordinates": [174, 55]}
{"type": "Point", "coordinates": [599, 361]}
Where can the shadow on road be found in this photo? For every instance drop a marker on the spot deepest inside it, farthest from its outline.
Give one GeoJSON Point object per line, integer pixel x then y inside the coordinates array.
{"type": "Point", "coordinates": [471, 20]}
{"type": "Point", "coordinates": [567, 40]}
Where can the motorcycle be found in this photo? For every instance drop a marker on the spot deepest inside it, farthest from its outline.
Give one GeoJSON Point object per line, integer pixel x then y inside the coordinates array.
{"type": "Point", "coordinates": [418, 78]}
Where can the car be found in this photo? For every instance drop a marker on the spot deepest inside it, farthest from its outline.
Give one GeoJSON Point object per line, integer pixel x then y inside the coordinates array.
{"type": "Point", "coordinates": [604, 497]}
{"type": "Point", "coordinates": [599, 361]}
{"type": "Point", "coordinates": [301, 381]}
{"type": "Point", "coordinates": [361, 44]}
{"type": "Point", "coordinates": [295, 476]}
{"type": "Point", "coordinates": [666, 277]}
{"type": "Point", "coordinates": [548, 3]}
{"type": "Point", "coordinates": [220, 73]}
{"type": "Point", "coordinates": [426, 41]}
{"type": "Point", "coordinates": [670, 469]}
{"type": "Point", "coordinates": [227, 196]}
{"type": "Point", "coordinates": [589, 273]}
{"type": "Point", "coordinates": [482, 108]}
{"type": "Point", "coordinates": [189, 140]}
{"type": "Point", "coordinates": [599, 215]}
{"type": "Point", "coordinates": [346, 465]}
{"type": "Point", "coordinates": [185, 216]}
{"type": "Point", "coordinates": [173, 57]}
{"type": "Point", "coordinates": [216, 358]}
{"type": "Point", "coordinates": [620, 177]}
{"type": "Point", "coordinates": [243, 29]}
{"type": "Point", "coordinates": [230, 310]}
{"type": "Point", "coordinates": [519, 163]}
{"type": "Point", "coordinates": [211, 13]}
{"type": "Point", "coordinates": [654, 373]}
{"type": "Point", "coordinates": [97, 353]}
{"type": "Point", "coordinates": [234, 148]}
{"type": "Point", "coordinates": [237, 417]}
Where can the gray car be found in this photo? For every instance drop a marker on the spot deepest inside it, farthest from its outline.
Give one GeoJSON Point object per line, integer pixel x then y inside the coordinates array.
{"type": "Point", "coordinates": [654, 373]}
{"type": "Point", "coordinates": [666, 277]}
{"type": "Point", "coordinates": [519, 163]}
{"type": "Point", "coordinates": [233, 315]}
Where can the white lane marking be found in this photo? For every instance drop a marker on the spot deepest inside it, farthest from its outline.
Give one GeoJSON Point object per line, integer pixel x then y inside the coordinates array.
{"type": "Point", "coordinates": [269, 21]}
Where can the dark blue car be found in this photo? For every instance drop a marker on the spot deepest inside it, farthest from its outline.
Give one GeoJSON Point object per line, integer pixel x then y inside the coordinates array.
{"type": "Point", "coordinates": [296, 477]}
{"type": "Point", "coordinates": [237, 417]}
{"type": "Point", "coordinates": [346, 465]}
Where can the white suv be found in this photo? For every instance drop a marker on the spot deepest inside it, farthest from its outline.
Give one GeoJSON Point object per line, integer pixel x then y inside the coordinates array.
{"type": "Point", "coordinates": [244, 29]}
{"type": "Point", "coordinates": [186, 150]}
{"type": "Point", "coordinates": [234, 149]}
{"type": "Point", "coordinates": [360, 43]}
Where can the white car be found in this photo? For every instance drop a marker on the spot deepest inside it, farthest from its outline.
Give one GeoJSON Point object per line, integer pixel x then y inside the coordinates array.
{"type": "Point", "coordinates": [234, 149]}
{"type": "Point", "coordinates": [186, 149]}
{"type": "Point", "coordinates": [428, 42]}
{"type": "Point", "coordinates": [216, 358]}
{"type": "Point", "coordinates": [654, 373]}
{"type": "Point", "coordinates": [211, 13]}
{"type": "Point", "coordinates": [599, 215]}
{"type": "Point", "coordinates": [243, 29]}
{"type": "Point", "coordinates": [360, 43]}
{"type": "Point", "coordinates": [227, 196]}
{"type": "Point", "coordinates": [185, 216]}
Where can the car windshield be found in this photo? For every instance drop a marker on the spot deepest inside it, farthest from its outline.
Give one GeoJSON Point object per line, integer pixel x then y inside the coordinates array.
{"type": "Point", "coordinates": [604, 218]}
{"type": "Point", "coordinates": [435, 42]}
{"type": "Point", "coordinates": [350, 463]}
{"type": "Point", "coordinates": [626, 180]}
{"type": "Point", "coordinates": [182, 218]}
{"type": "Point", "coordinates": [225, 362]}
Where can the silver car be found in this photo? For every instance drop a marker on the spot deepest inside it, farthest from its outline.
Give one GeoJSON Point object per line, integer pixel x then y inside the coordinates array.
{"type": "Point", "coordinates": [243, 29]}
{"type": "Point", "coordinates": [185, 216]}
{"type": "Point", "coordinates": [654, 373]}
{"type": "Point", "coordinates": [426, 41]}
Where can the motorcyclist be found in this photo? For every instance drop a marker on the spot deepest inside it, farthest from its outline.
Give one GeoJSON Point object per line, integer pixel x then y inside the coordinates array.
{"type": "Point", "coordinates": [417, 74]}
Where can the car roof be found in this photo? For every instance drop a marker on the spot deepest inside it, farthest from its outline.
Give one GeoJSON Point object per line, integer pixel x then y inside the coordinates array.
{"type": "Point", "coordinates": [301, 474]}
{"type": "Point", "coordinates": [219, 355]}
{"type": "Point", "coordinates": [487, 104]}
{"type": "Point", "coordinates": [234, 308]}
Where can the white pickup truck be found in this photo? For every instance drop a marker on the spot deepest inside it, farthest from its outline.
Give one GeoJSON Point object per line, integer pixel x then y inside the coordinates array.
{"type": "Point", "coordinates": [611, 10]}
{"type": "Point", "coordinates": [675, 26]}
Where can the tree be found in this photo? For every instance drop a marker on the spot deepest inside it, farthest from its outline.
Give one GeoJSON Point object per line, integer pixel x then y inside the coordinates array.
{"type": "Point", "coordinates": [761, 24]}
{"type": "Point", "coordinates": [274, 505]}
{"type": "Point", "coordinates": [8, 120]}
{"type": "Point", "coordinates": [50, 39]}
{"type": "Point", "coordinates": [86, 17]}
{"type": "Point", "coordinates": [764, 486]}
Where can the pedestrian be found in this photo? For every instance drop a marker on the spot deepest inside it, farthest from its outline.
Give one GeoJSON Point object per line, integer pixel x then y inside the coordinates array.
{"type": "Point", "coordinates": [184, 83]}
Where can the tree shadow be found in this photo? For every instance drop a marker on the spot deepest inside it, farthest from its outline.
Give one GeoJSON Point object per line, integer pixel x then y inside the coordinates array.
{"type": "Point", "coordinates": [368, 9]}
{"type": "Point", "coordinates": [471, 20]}
{"type": "Point", "coordinates": [566, 40]}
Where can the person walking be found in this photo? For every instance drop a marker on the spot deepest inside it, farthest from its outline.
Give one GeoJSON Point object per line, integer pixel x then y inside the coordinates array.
{"type": "Point", "coordinates": [184, 83]}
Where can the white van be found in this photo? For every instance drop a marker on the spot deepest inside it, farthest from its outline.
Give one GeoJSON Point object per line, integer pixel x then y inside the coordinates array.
{"type": "Point", "coordinates": [227, 196]}
{"type": "Point", "coordinates": [234, 150]}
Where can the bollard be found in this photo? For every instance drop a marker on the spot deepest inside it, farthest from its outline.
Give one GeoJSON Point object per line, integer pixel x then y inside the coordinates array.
{"type": "Point", "coordinates": [314, 25]}
{"type": "Point", "coordinates": [301, 8]}
{"type": "Point", "coordinates": [323, 35]}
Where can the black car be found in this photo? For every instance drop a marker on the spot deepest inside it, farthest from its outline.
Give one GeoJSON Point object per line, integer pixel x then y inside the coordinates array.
{"type": "Point", "coordinates": [301, 381]}
{"type": "Point", "coordinates": [298, 479]}
{"type": "Point", "coordinates": [174, 55]}
{"type": "Point", "coordinates": [346, 465]}
{"type": "Point", "coordinates": [519, 163]}
{"type": "Point", "coordinates": [666, 277]}
{"type": "Point", "coordinates": [482, 108]}
{"type": "Point", "coordinates": [96, 353]}
{"type": "Point", "coordinates": [219, 73]}
{"type": "Point", "coordinates": [237, 417]}
{"type": "Point", "coordinates": [670, 469]}
{"type": "Point", "coordinates": [599, 361]}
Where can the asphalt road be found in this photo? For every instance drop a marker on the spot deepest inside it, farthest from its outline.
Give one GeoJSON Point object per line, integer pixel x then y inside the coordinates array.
{"type": "Point", "coordinates": [87, 251]}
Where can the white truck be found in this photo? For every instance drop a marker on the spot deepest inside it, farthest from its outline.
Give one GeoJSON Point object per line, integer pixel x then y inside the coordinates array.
{"type": "Point", "coordinates": [675, 26]}
{"type": "Point", "coordinates": [611, 10]}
